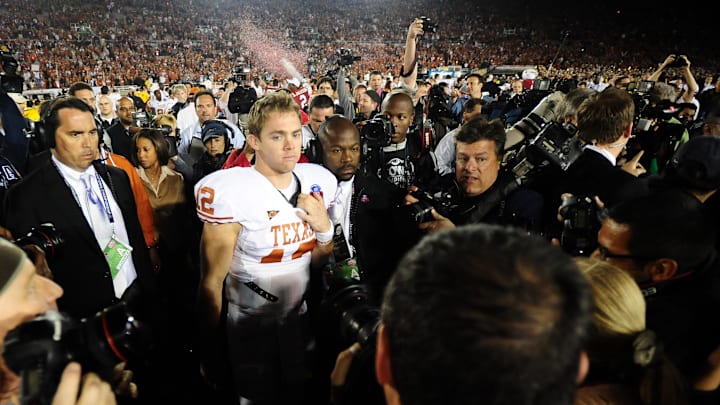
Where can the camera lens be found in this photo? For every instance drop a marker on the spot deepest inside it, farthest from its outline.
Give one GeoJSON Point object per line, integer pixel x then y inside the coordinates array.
{"type": "Point", "coordinates": [46, 237]}
{"type": "Point", "coordinates": [420, 212]}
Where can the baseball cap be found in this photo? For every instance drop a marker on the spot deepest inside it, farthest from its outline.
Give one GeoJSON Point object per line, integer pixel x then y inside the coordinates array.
{"type": "Point", "coordinates": [697, 163]}
{"type": "Point", "coordinates": [374, 96]}
{"type": "Point", "coordinates": [213, 129]}
{"type": "Point", "coordinates": [294, 81]}
{"type": "Point", "coordinates": [11, 264]}
{"type": "Point", "coordinates": [18, 98]}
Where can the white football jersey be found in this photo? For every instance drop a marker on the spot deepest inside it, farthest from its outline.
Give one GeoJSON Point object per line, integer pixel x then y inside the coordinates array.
{"type": "Point", "coordinates": [274, 246]}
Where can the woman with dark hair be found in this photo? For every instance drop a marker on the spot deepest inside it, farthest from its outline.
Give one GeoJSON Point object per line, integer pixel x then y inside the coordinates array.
{"type": "Point", "coordinates": [166, 192]}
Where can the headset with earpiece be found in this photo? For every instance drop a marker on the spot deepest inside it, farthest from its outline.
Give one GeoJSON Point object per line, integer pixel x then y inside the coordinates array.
{"type": "Point", "coordinates": [44, 131]}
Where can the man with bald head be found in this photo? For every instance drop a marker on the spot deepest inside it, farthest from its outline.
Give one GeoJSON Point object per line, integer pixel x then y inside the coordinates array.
{"type": "Point", "coordinates": [367, 245]}
{"type": "Point", "coordinates": [363, 207]}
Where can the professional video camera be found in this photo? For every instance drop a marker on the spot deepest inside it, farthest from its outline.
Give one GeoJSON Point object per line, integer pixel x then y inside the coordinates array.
{"type": "Point", "coordinates": [140, 119]}
{"type": "Point", "coordinates": [240, 73]}
{"type": "Point", "coordinates": [10, 81]}
{"type": "Point", "coordinates": [656, 130]}
{"type": "Point", "coordinates": [428, 25]}
{"type": "Point", "coordinates": [242, 99]}
{"type": "Point", "coordinates": [555, 144]}
{"type": "Point", "coordinates": [39, 350]}
{"type": "Point", "coordinates": [581, 222]}
{"type": "Point", "coordinates": [439, 109]}
{"type": "Point", "coordinates": [46, 237]}
{"type": "Point", "coordinates": [344, 57]}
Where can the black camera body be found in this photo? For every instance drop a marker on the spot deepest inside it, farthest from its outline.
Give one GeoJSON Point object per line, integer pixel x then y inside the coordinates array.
{"type": "Point", "coordinates": [345, 57]}
{"type": "Point", "coordinates": [240, 73]}
{"type": "Point", "coordinates": [555, 144]}
{"type": "Point", "coordinates": [428, 25]}
{"type": "Point", "coordinates": [140, 119]}
{"type": "Point", "coordinates": [242, 99]}
{"type": "Point", "coordinates": [581, 223]}
{"type": "Point", "coordinates": [678, 61]}
{"type": "Point", "coordinates": [39, 350]}
{"type": "Point", "coordinates": [377, 132]}
{"type": "Point", "coordinates": [443, 201]}
{"type": "Point", "coordinates": [44, 236]}
{"type": "Point", "coordinates": [10, 81]}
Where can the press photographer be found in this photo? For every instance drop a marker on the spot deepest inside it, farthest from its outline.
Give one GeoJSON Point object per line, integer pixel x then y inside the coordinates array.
{"type": "Point", "coordinates": [367, 247]}
{"type": "Point", "coordinates": [605, 125]}
{"type": "Point", "coordinates": [657, 130]}
{"type": "Point", "coordinates": [488, 192]}
{"type": "Point", "coordinates": [243, 96]}
{"type": "Point", "coordinates": [23, 295]}
{"type": "Point", "coordinates": [10, 81]}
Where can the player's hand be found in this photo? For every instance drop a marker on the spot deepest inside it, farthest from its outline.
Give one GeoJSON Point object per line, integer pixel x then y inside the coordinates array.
{"type": "Point", "coordinates": [313, 211]}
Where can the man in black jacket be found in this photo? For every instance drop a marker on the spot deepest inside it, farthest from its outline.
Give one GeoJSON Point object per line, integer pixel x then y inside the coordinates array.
{"type": "Point", "coordinates": [363, 209]}
{"type": "Point", "coordinates": [103, 258]}
{"type": "Point", "coordinates": [367, 245]}
{"type": "Point", "coordinates": [605, 124]}
{"type": "Point", "coordinates": [666, 243]}
{"type": "Point", "coordinates": [55, 193]}
{"type": "Point", "coordinates": [479, 190]}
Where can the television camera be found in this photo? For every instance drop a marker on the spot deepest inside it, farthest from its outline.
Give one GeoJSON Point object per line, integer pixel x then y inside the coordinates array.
{"type": "Point", "coordinates": [10, 81]}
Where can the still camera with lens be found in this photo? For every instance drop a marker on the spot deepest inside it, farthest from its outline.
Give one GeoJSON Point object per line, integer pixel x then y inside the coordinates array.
{"type": "Point", "coordinates": [39, 350]}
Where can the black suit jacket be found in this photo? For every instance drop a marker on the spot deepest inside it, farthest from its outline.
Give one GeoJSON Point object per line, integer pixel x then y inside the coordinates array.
{"type": "Point", "coordinates": [378, 235]}
{"type": "Point", "coordinates": [79, 266]}
{"type": "Point", "coordinates": [121, 140]}
{"type": "Point", "coordinates": [592, 174]}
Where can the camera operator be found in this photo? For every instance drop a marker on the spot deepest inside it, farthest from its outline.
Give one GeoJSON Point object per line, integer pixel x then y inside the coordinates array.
{"type": "Point", "coordinates": [190, 146]}
{"type": "Point", "coordinates": [404, 162]}
{"type": "Point", "coordinates": [14, 144]}
{"type": "Point", "coordinates": [367, 102]}
{"type": "Point", "coordinates": [605, 124]}
{"type": "Point", "coordinates": [659, 132]}
{"type": "Point", "coordinates": [367, 242]}
{"type": "Point", "coordinates": [683, 95]}
{"type": "Point", "coordinates": [445, 149]}
{"type": "Point", "coordinates": [490, 194]}
{"type": "Point", "coordinates": [23, 295]}
{"type": "Point", "coordinates": [321, 106]}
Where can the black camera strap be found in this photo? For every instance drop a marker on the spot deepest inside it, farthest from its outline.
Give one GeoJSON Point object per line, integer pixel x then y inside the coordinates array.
{"type": "Point", "coordinates": [503, 186]}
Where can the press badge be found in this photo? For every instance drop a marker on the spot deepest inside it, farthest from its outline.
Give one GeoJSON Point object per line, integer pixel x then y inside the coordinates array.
{"type": "Point", "coordinates": [116, 254]}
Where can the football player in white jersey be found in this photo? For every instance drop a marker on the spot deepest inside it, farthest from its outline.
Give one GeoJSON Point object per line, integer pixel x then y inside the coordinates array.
{"type": "Point", "coordinates": [264, 226]}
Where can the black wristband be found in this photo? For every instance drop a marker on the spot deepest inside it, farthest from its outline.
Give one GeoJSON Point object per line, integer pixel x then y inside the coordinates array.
{"type": "Point", "coordinates": [403, 74]}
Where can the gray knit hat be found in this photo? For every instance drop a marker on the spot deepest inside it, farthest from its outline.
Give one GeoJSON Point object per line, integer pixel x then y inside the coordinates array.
{"type": "Point", "coordinates": [12, 259]}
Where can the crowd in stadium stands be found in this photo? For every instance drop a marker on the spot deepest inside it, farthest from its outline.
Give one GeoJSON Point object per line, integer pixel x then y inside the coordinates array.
{"type": "Point", "coordinates": [111, 43]}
